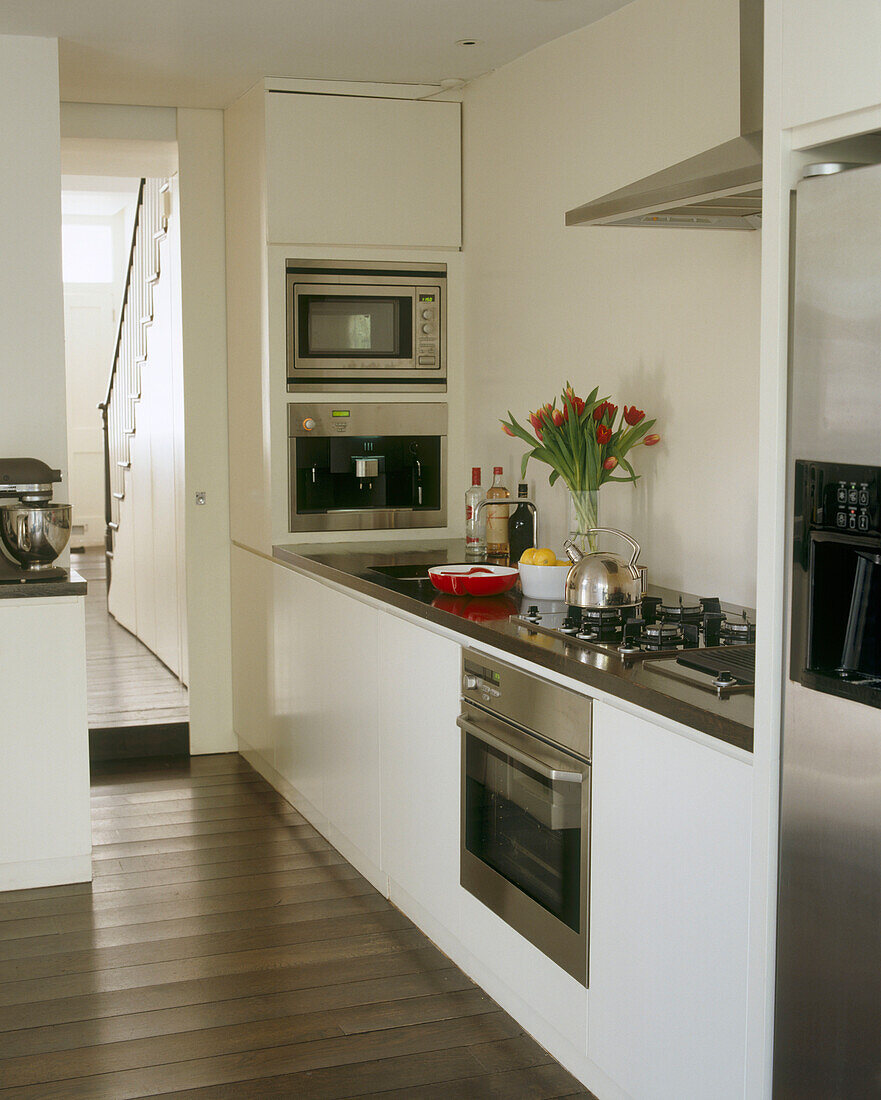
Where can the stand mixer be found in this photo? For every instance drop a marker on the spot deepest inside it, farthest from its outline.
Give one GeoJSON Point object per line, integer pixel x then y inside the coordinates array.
{"type": "Point", "coordinates": [33, 529]}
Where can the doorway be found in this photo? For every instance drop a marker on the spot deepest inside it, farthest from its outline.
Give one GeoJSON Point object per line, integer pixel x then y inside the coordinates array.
{"type": "Point", "coordinates": [125, 433]}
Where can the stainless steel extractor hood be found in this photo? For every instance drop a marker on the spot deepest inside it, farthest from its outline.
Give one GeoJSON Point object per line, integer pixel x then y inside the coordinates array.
{"type": "Point", "coordinates": [720, 188]}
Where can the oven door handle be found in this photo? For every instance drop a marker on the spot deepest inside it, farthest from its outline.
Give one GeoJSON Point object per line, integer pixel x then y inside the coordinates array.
{"type": "Point", "coordinates": [549, 771]}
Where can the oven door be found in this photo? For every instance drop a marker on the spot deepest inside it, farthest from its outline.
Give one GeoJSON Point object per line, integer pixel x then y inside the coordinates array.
{"type": "Point", "coordinates": [525, 835]}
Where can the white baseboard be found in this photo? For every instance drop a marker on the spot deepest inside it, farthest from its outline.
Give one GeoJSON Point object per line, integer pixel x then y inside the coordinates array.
{"type": "Point", "coordinates": [542, 1030]}
{"type": "Point", "coordinates": [316, 818]}
{"type": "Point", "coordinates": [34, 873]}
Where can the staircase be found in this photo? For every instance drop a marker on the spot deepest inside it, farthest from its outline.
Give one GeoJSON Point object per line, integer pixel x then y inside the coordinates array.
{"type": "Point", "coordinates": [143, 438]}
{"type": "Point", "coordinates": [124, 388]}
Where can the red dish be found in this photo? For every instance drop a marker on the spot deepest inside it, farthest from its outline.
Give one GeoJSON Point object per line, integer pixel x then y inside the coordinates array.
{"type": "Point", "coordinates": [479, 609]}
{"type": "Point", "coordinates": [473, 580]}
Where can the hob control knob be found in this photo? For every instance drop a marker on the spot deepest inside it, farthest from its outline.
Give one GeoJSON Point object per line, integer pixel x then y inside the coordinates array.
{"type": "Point", "coordinates": [470, 682]}
{"type": "Point", "coordinates": [308, 423]}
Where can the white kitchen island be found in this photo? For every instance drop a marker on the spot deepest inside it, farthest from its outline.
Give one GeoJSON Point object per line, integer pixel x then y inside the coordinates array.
{"type": "Point", "coordinates": [45, 822]}
{"type": "Point", "coordinates": [347, 704]}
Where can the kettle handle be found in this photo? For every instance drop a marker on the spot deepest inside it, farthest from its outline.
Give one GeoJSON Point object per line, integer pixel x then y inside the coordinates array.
{"type": "Point", "coordinates": [623, 534]}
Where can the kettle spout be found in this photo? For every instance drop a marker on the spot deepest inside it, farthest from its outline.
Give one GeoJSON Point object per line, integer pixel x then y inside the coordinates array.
{"type": "Point", "coordinates": [572, 552]}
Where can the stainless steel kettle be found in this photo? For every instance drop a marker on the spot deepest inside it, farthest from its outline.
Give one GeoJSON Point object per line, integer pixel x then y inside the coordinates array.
{"type": "Point", "coordinates": [602, 579]}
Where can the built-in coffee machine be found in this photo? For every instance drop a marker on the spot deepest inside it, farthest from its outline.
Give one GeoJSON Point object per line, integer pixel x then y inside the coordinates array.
{"type": "Point", "coordinates": [366, 466]}
{"type": "Point", "coordinates": [836, 580]}
{"type": "Point", "coordinates": [34, 529]}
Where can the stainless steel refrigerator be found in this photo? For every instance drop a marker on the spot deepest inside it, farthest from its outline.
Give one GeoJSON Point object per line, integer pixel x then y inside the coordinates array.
{"type": "Point", "coordinates": [828, 1000]}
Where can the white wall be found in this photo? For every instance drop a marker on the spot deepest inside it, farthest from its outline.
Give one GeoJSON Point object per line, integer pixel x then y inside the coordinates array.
{"type": "Point", "coordinates": [32, 408]}
{"type": "Point", "coordinates": [665, 319]}
{"type": "Point", "coordinates": [203, 302]}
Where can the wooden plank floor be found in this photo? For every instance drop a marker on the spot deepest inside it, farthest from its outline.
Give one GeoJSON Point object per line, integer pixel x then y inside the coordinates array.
{"type": "Point", "coordinates": [127, 684]}
{"type": "Point", "coordinates": [226, 950]}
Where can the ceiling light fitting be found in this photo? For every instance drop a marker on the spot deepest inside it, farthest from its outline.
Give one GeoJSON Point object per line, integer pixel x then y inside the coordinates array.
{"type": "Point", "coordinates": [468, 42]}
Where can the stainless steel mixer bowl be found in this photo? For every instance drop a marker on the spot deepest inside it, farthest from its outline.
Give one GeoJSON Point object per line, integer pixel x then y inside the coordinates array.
{"type": "Point", "coordinates": [34, 534]}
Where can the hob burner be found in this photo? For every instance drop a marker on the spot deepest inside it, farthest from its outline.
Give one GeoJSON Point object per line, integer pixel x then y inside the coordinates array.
{"type": "Point", "coordinates": [680, 613]}
{"type": "Point", "coordinates": [656, 629]}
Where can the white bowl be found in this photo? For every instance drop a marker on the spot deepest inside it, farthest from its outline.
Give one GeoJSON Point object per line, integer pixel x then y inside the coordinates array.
{"type": "Point", "coordinates": [543, 582]}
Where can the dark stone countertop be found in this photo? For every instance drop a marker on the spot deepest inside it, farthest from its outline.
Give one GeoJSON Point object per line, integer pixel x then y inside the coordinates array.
{"type": "Point", "coordinates": [486, 620]}
{"type": "Point", "coordinates": [13, 589]}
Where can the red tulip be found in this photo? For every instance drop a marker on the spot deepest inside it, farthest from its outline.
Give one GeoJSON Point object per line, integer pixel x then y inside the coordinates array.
{"type": "Point", "coordinates": [558, 418]}
{"type": "Point", "coordinates": [612, 411]}
{"type": "Point", "coordinates": [535, 421]}
{"type": "Point", "coordinates": [610, 463]}
{"type": "Point", "coordinates": [599, 410]}
{"type": "Point", "coordinates": [507, 430]}
{"type": "Point", "coordinates": [604, 434]}
{"type": "Point", "coordinates": [651, 440]}
{"type": "Point", "coordinates": [605, 409]}
{"type": "Point", "coordinates": [633, 415]}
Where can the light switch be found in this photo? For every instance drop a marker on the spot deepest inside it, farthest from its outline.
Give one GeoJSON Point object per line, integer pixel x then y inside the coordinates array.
{"type": "Point", "coordinates": [200, 498]}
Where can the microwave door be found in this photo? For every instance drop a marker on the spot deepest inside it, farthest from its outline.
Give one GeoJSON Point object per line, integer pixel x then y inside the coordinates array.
{"type": "Point", "coordinates": [337, 327]}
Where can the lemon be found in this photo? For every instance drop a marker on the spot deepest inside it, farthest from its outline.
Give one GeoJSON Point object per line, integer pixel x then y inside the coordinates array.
{"type": "Point", "coordinates": [528, 556]}
{"type": "Point", "coordinates": [544, 557]}
{"type": "Point", "coordinates": [566, 562]}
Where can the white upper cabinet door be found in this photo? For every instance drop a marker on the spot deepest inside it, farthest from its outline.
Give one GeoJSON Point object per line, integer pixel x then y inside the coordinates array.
{"type": "Point", "coordinates": [350, 170]}
{"type": "Point", "coordinates": [669, 892]}
{"type": "Point", "coordinates": [830, 58]}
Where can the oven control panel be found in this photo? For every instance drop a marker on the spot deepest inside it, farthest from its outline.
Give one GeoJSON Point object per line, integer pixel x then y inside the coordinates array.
{"type": "Point", "coordinates": [553, 713]}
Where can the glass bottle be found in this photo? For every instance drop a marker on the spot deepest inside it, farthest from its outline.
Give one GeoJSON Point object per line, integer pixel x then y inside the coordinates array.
{"type": "Point", "coordinates": [475, 543]}
{"type": "Point", "coordinates": [521, 526]}
{"type": "Point", "coordinates": [497, 517]}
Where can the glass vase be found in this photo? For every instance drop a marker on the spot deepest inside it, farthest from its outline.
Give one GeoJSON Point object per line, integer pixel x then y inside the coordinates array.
{"type": "Point", "coordinates": [583, 517]}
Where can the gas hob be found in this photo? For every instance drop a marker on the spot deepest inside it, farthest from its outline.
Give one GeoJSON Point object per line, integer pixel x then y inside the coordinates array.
{"type": "Point", "coordinates": [716, 648]}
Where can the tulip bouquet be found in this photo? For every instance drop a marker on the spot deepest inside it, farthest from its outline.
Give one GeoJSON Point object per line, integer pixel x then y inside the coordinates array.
{"type": "Point", "coordinates": [585, 442]}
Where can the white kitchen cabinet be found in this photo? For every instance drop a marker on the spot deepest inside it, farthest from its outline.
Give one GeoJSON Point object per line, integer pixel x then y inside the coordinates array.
{"type": "Point", "coordinates": [360, 170]}
{"type": "Point", "coordinates": [253, 688]}
{"type": "Point", "coordinates": [418, 706]}
{"type": "Point", "coordinates": [830, 59]}
{"type": "Point", "coordinates": [670, 852]}
{"type": "Point", "coordinates": [303, 685]}
{"type": "Point", "coordinates": [45, 822]}
{"type": "Point", "coordinates": [306, 675]}
{"type": "Point", "coordinates": [349, 683]}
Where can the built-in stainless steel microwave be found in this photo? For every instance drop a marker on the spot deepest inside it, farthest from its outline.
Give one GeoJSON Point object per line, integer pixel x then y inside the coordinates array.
{"type": "Point", "coordinates": [366, 328]}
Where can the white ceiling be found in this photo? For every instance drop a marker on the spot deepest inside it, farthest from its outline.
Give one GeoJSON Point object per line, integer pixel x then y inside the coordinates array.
{"type": "Point", "coordinates": [205, 53]}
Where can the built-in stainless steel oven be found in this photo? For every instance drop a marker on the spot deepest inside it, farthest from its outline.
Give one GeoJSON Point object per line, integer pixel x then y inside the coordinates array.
{"type": "Point", "coordinates": [525, 829]}
{"type": "Point", "coordinates": [366, 327]}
